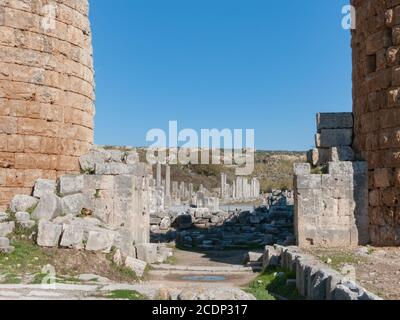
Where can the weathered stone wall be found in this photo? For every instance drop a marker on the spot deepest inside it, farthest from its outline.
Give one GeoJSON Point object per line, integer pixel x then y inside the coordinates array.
{"type": "Point", "coordinates": [330, 209]}
{"type": "Point", "coordinates": [376, 82]}
{"type": "Point", "coordinates": [331, 206]}
{"type": "Point", "coordinates": [46, 91]}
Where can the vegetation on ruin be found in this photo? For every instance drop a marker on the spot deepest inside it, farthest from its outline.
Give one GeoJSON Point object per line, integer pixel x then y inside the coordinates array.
{"type": "Point", "coordinates": [273, 284]}
{"type": "Point", "coordinates": [126, 295]}
{"type": "Point", "coordinates": [337, 259]}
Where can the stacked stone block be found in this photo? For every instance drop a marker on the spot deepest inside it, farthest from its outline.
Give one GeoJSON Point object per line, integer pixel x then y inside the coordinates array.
{"type": "Point", "coordinates": [333, 139]}
{"type": "Point", "coordinates": [46, 91]}
{"type": "Point", "coordinates": [314, 280]}
{"type": "Point", "coordinates": [331, 209]}
{"type": "Point", "coordinates": [376, 88]}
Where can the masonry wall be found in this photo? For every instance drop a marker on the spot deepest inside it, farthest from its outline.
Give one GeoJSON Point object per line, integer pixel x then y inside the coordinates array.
{"type": "Point", "coordinates": [376, 95]}
{"type": "Point", "coordinates": [46, 91]}
{"type": "Point", "coordinates": [330, 209]}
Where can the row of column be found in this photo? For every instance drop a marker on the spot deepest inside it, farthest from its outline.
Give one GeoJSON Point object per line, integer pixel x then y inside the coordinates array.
{"type": "Point", "coordinates": [241, 188]}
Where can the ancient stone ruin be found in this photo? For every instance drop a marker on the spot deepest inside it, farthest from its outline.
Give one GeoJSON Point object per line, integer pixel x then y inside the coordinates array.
{"type": "Point", "coordinates": [331, 207]}
{"type": "Point", "coordinates": [46, 92]}
{"type": "Point", "coordinates": [376, 82]}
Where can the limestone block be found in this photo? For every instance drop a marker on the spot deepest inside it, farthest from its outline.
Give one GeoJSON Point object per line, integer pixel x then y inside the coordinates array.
{"type": "Point", "coordinates": [95, 156]}
{"type": "Point", "coordinates": [7, 250]}
{"type": "Point", "coordinates": [49, 207]}
{"type": "Point", "coordinates": [318, 157]}
{"type": "Point", "coordinates": [341, 168]}
{"type": "Point", "coordinates": [112, 168]}
{"type": "Point", "coordinates": [341, 154]}
{"type": "Point", "coordinates": [6, 228]}
{"type": "Point", "coordinates": [138, 266]}
{"type": "Point", "coordinates": [22, 216]}
{"type": "Point", "coordinates": [318, 283]}
{"type": "Point", "coordinates": [116, 155]}
{"type": "Point", "coordinates": [346, 291]}
{"type": "Point", "coordinates": [253, 257]}
{"type": "Point", "coordinates": [334, 121]}
{"type": "Point", "coordinates": [48, 234]}
{"type": "Point", "coordinates": [163, 253]}
{"type": "Point", "coordinates": [23, 203]}
{"type": "Point", "coordinates": [334, 279]}
{"type": "Point", "coordinates": [73, 204]}
{"type": "Point", "coordinates": [124, 242]}
{"type": "Point", "coordinates": [302, 168]}
{"type": "Point", "coordinates": [165, 223]}
{"type": "Point", "coordinates": [98, 182]}
{"type": "Point", "coordinates": [4, 216]}
{"type": "Point", "coordinates": [71, 184]}
{"type": "Point", "coordinates": [43, 186]}
{"type": "Point", "coordinates": [100, 241]}
{"type": "Point", "coordinates": [310, 181]}
{"type": "Point", "coordinates": [329, 138]}
{"type": "Point", "coordinates": [271, 257]}
{"type": "Point", "coordinates": [132, 157]}
{"type": "Point", "coordinates": [4, 242]}
{"type": "Point", "coordinates": [147, 252]}
{"type": "Point", "coordinates": [72, 236]}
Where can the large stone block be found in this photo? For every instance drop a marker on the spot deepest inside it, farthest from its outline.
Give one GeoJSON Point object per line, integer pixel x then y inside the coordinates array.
{"type": "Point", "coordinates": [22, 203]}
{"type": "Point", "coordinates": [49, 207]}
{"type": "Point", "coordinates": [100, 241]}
{"type": "Point", "coordinates": [73, 204]}
{"type": "Point", "coordinates": [341, 154]}
{"type": "Point", "coordinates": [70, 184]}
{"type": "Point", "coordinates": [6, 228]}
{"type": "Point", "coordinates": [318, 157]}
{"type": "Point", "coordinates": [147, 252]}
{"type": "Point", "coordinates": [329, 138]}
{"type": "Point", "coordinates": [48, 234]}
{"type": "Point", "coordinates": [72, 236]}
{"type": "Point", "coordinates": [310, 181]}
{"type": "Point", "coordinates": [138, 266]}
{"type": "Point", "coordinates": [334, 121]}
{"type": "Point", "coordinates": [43, 187]}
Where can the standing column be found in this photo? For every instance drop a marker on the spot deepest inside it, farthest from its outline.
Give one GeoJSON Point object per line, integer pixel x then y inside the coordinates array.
{"type": "Point", "coordinates": [158, 176]}
{"type": "Point", "coordinates": [167, 180]}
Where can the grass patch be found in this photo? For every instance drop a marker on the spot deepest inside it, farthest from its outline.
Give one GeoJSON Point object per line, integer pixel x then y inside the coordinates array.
{"type": "Point", "coordinates": [12, 278]}
{"type": "Point", "coordinates": [126, 295]}
{"type": "Point", "coordinates": [320, 170]}
{"type": "Point", "coordinates": [338, 259]}
{"type": "Point", "coordinates": [26, 258]}
{"type": "Point", "coordinates": [172, 260]}
{"type": "Point", "coordinates": [272, 284]}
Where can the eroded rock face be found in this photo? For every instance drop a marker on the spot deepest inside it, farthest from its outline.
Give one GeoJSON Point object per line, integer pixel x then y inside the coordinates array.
{"type": "Point", "coordinates": [53, 91]}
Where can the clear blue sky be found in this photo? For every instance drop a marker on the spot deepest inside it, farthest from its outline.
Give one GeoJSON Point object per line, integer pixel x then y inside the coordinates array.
{"type": "Point", "coordinates": [262, 64]}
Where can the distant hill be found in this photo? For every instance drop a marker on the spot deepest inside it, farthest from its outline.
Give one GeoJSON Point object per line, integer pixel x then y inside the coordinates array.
{"type": "Point", "coordinates": [273, 168]}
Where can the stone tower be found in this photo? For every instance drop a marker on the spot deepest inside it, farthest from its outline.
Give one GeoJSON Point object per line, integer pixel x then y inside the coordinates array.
{"type": "Point", "coordinates": [46, 91]}
{"type": "Point", "coordinates": [376, 96]}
